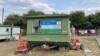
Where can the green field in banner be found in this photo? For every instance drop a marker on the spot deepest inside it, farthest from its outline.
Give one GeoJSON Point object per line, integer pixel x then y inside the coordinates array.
{"type": "Point", "coordinates": [50, 31]}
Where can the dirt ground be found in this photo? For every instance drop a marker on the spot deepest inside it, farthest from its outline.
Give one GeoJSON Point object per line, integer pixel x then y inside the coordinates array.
{"type": "Point", "coordinates": [8, 49]}
{"type": "Point", "coordinates": [91, 43]}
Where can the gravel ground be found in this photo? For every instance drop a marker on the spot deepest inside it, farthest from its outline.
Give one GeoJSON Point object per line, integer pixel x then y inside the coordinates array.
{"type": "Point", "coordinates": [91, 43]}
{"type": "Point", "coordinates": [8, 49]}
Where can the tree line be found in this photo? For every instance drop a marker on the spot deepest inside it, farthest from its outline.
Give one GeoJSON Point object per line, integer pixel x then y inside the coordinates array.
{"type": "Point", "coordinates": [78, 18]}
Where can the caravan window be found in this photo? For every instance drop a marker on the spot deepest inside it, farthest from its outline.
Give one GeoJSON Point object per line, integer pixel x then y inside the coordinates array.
{"type": "Point", "coordinates": [36, 26]}
{"type": "Point", "coordinates": [7, 30]}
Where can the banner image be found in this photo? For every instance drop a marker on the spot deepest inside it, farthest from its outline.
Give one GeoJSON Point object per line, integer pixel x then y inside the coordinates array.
{"type": "Point", "coordinates": [50, 26]}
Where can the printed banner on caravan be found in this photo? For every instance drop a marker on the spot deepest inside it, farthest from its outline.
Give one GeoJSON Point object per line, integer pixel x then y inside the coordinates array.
{"type": "Point", "coordinates": [50, 26]}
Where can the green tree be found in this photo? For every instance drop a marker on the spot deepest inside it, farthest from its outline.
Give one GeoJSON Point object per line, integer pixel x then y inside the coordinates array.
{"type": "Point", "coordinates": [94, 19]}
{"type": "Point", "coordinates": [90, 19]}
{"type": "Point", "coordinates": [9, 20]}
{"type": "Point", "coordinates": [33, 13]}
{"type": "Point", "coordinates": [78, 19]}
{"type": "Point", "coordinates": [20, 20]}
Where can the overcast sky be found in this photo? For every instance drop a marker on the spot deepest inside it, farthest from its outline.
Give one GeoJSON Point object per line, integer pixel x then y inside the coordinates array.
{"type": "Point", "coordinates": [48, 6]}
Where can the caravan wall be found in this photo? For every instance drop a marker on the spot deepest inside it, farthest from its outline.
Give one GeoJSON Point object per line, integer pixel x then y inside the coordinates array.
{"type": "Point", "coordinates": [5, 32]}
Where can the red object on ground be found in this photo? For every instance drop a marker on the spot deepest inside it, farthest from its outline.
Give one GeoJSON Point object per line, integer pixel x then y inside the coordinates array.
{"type": "Point", "coordinates": [74, 42]}
{"type": "Point", "coordinates": [22, 46]}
